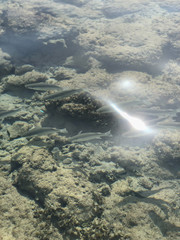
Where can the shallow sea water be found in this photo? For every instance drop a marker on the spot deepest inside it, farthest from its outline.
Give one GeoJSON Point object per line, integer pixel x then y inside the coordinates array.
{"type": "Point", "coordinates": [89, 120]}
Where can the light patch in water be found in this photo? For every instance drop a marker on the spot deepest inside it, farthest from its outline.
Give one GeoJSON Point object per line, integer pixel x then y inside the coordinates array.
{"type": "Point", "coordinates": [127, 84]}
{"type": "Point", "coordinates": [136, 123]}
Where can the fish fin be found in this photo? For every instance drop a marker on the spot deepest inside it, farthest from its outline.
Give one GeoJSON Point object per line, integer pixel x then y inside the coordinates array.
{"type": "Point", "coordinates": [79, 133]}
{"type": "Point", "coordinates": [108, 133]}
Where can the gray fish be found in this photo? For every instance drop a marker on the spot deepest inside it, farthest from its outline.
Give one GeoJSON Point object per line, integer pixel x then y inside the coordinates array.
{"type": "Point", "coordinates": [40, 131]}
{"type": "Point", "coordinates": [7, 113]}
{"type": "Point", "coordinates": [147, 193]}
{"type": "Point", "coordinates": [62, 94]}
{"type": "Point", "coordinates": [171, 124]}
{"type": "Point", "coordinates": [155, 121]}
{"type": "Point", "coordinates": [110, 109]}
{"type": "Point", "coordinates": [153, 111]}
{"type": "Point", "coordinates": [105, 109]}
{"type": "Point", "coordinates": [155, 129]}
{"type": "Point", "coordinates": [42, 86]}
{"type": "Point", "coordinates": [137, 134]}
{"type": "Point", "coordinates": [82, 137]}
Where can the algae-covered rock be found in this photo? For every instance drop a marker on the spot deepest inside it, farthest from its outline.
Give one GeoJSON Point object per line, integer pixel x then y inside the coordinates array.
{"type": "Point", "coordinates": [23, 69]}
{"type": "Point", "coordinates": [17, 129]}
{"type": "Point", "coordinates": [106, 172]}
{"type": "Point", "coordinates": [66, 195]}
{"type": "Point", "coordinates": [6, 66]}
{"type": "Point", "coordinates": [64, 73]}
{"type": "Point", "coordinates": [167, 150]}
{"type": "Point", "coordinates": [17, 217]}
{"type": "Point", "coordinates": [171, 72]}
{"type": "Point", "coordinates": [28, 77]}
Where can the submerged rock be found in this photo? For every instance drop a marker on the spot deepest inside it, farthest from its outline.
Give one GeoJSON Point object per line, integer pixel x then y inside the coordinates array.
{"type": "Point", "coordinates": [23, 69]}
{"type": "Point", "coordinates": [17, 129]}
{"type": "Point", "coordinates": [106, 172]}
{"type": "Point", "coordinates": [6, 66]}
{"type": "Point", "coordinates": [66, 195]}
{"type": "Point", "coordinates": [28, 77]}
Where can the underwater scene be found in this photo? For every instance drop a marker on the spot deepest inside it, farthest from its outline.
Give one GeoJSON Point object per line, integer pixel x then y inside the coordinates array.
{"type": "Point", "coordinates": [90, 120]}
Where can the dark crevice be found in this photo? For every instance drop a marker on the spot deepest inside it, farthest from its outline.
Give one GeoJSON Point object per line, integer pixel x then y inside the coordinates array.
{"type": "Point", "coordinates": [29, 195]}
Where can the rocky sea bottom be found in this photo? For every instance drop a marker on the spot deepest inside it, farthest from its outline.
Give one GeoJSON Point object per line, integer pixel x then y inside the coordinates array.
{"type": "Point", "coordinates": [75, 76]}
